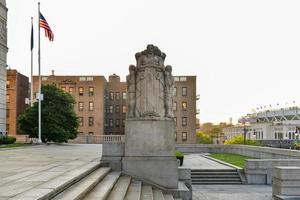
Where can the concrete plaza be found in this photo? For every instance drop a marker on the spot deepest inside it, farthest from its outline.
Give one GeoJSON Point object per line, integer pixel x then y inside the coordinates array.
{"type": "Point", "coordinates": [29, 168]}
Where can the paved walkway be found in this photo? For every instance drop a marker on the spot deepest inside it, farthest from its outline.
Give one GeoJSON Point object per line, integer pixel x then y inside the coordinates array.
{"type": "Point", "coordinates": [232, 192]}
{"type": "Point", "coordinates": [22, 169]}
{"type": "Point", "coordinates": [196, 161]}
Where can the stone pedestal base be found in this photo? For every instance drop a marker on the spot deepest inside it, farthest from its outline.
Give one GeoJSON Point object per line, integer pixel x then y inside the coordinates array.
{"type": "Point", "coordinates": [162, 171]}
{"type": "Point", "coordinates": [150, 152]}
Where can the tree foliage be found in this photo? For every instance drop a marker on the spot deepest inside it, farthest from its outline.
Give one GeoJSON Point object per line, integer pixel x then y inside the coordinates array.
{"type": "Point", "coordinates": [240, 140]}
{"type": "Point", "coordinates": [59, 121]}
{"type": "Point", "coordinates": [203, 138]}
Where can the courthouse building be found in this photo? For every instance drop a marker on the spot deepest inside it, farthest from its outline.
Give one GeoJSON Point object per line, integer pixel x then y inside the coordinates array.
{"type": "Point", "coordinates": [101, 105]}
{"type": "Point", "coordinates": [3, 64]}
{"type": "Point", "coordinates": [17, 91]}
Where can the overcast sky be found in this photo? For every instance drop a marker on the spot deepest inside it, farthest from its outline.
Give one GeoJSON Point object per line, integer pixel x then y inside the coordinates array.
{"type": "Point", "coordinates": [246, 54]}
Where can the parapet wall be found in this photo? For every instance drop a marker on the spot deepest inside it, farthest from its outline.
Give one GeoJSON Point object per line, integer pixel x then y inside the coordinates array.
{"type": "Point", "coordinates": [246, 150]}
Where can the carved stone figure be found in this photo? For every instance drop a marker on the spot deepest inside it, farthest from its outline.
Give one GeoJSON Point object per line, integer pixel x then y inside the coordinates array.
{"type": "Point", "coordinates": [147, 84]}
{"type": "Point", "coordinates": [131, 91]}
{"type": "Point", "coordinates": [169, 90]}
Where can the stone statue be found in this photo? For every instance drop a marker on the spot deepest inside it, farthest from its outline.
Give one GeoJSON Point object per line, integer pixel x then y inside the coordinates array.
{"type": "Point", "coordinates": [131, 91]}
{"type": "Point", "coordinates": [151, 85]}
{"type": "Point", "coordinates": [169, 90]}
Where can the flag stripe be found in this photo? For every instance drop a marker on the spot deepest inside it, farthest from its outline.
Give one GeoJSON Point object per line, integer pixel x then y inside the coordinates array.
{"type": "Point", "coordinates": [44, 24]}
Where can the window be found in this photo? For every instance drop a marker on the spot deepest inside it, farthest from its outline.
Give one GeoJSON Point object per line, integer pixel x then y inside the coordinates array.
{"type": "Point", "coordinates": [83, 78]}
{"type": "Point", "coordinates": [7, 98]}
{"type": "Point", "coordinates": [175, 136]}
{"type": "Point", "coordinates": [63, 89]}
{"type": "Point", "coordinates": [184, 91]}
{"type": "Point", "coordinates": [184, 136]}
{"type": "Point", "coordinates": [80, 121]}
{"type": "Point", "coordinates": [182, 78]}
{"type": "Point", "coordinates": [117, 109]}
{"type": "Point", "coordinates": [124, 95]}
{"type": "Point", "coordinates": [175, 106]}
{"type": "Point", "coordinates": [111, 95]}
{"type": "Point", "coordinates": [184, 121]}
{"type": "Point", "coordinates": [176, 78]}
{"type": "Point", "coordinates": [117, 95]}
{"type": "Point", "coordinates": [91, 121]}
{"type": "Point", "coordinates": [275, 135]}
{"type": "Point", "coordinates": [91, 91]}
{"type": "Point", "coordinates": [80, 106]}
{"type": "Point", "coordinates": [111, 123]}
{"type": "Point", "coordinates": [123, 109]}
{"type": "Point", "coordinates": [89, 78]}
{"type": "Point", "coordinates": [175, 120]}
{"type": "Point", "coordinates": [80, 91]}
{"type": "Point", "coordinates": [111, 109]}
{"type": "Point", "coordinates": [117, 123]}
{"type": "Point", "coordinates": [44, 78]}
{"type": "Point", "coordinates": [91, 106]}
{"type": "Point", "coordinates": [7, 112]}
{"type": "Point", "coordinates": [7, 84]}
{"type": "Point", "coordinates": [184, 105]}
{"type": "Point", "coordinates": [71, 90]}
{"type": "Point", "coordinates": [123, 122]}
{"type": "Point", "coordinates": [91, 133]}
{"type": "Point", "coordinates": [175, 92]}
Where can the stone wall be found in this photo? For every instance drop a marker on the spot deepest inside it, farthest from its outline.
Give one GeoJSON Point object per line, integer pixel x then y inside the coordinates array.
{"type": "Point", "coordinates": [252, 151]}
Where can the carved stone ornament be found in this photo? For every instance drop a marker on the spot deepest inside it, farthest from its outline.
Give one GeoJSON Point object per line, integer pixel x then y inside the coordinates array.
{"type": "Point", "coordinates": [150, 86]}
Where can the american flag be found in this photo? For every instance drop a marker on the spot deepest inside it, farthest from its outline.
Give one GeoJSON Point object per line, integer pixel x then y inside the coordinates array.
{"type": "Point", "coordinates": [44, 24]}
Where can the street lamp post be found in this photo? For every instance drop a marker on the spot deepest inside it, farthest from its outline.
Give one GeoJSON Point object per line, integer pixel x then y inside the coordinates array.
{"type": "Point", "coordinates": [244, 134]}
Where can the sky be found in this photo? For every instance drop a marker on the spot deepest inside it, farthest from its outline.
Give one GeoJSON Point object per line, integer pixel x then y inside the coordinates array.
{"type": "Point", "coordinates": [245, 53]}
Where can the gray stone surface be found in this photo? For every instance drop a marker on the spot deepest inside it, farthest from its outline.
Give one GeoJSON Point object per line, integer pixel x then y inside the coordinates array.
{"type": "Point", "coordinates": [286, 181]}
{"type": "Point", "coordinates": [232, 192]}
{"type": "Point", "coordinates": [30, 171]}
{"type": "Point", "coordinates": [196, 161]}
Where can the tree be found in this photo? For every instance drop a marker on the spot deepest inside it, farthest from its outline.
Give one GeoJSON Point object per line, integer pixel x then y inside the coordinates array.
{"type": "Point", "coordinates": [203, 138]}
{"type": "Point", "coordinates": [59, 121]}
{"type": "Point", "coordinates": [240, 140]}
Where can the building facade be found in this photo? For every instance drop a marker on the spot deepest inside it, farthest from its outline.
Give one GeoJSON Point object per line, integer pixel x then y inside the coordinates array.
{"type": "Point", "coordinates": [277, 124]}
{"type": "Point", "coordinates": [17, 86]}
{"type": "Point", "coordinates": [89, 94]}
{"type": "Point", "coordinates": [3, 64]}
{"type": "Point", "coordinates": [115, 114]}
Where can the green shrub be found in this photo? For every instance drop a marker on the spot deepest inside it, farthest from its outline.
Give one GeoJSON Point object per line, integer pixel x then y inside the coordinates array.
{"type": "Point", "coordinates": [7, 140]}
{"type": "Point", "coordinates": [240, 140]}
{"type": "Point", "coordinates": [179, 156]}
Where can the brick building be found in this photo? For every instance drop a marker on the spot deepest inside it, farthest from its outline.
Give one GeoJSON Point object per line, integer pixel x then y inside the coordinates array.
{"type": "Point", "coordinates": [116, 106]}
{"type": "Point", "coordinates": [17, 86]}
{"type": "Point", "coordinates": [89, 93]}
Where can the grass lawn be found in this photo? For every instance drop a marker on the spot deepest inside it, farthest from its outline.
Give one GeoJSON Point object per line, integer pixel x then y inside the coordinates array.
{"type": "Point", "coordinates": [13, 145]}
{"type": "Point", "coordinates": [234, 159]}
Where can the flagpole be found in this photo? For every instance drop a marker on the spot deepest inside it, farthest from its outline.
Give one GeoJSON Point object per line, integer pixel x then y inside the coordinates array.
{"type": "Point", "coordinates": [31, 87]}
{"type": "Point", "coordinates": [40, 80]}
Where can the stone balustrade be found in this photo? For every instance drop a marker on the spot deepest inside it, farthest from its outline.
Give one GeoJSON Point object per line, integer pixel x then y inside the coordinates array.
{"type": "Point", "coordinates": [98, 139]}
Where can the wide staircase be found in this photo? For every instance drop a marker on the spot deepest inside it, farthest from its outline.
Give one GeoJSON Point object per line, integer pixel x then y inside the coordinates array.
{"type": "Point", "coordinates": [103, 183]}
{"type": "Point", "coordinates": [215, 176]}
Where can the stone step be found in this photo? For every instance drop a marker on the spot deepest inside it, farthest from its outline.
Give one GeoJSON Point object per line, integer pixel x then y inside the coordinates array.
{"type": "Point", "coordinates": [102, 190]}
{"type": "Point", "coordinates": [215, 176]}
{"type": "Point", "coordinates": [285, 197]}
{"type": "Point", "coordinates": [216, 179]}
{"type": "Point", "coordinates": [219, 172]}
{"type": "Point", "coordinates": [216, 183]}
{"type": "Point", "coordinates": [120, 189]}
{"type": "Point", "coordinates": [213, 170]}
{"type": "Point", "coordinates": [147, 193]}
{"type": "Point", "coordinates": [134, 190]}
{"type": "Point", "coordinates": [158, 195]}
{"type": "Point", "coordinates": [51, 188]}
{"type": "Point", "coordinates": [81, 188]}
{"type": "Point", "coordinates": [168, 197]}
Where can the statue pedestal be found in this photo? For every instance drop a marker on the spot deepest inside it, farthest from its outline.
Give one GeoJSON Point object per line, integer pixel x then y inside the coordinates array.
{"type": "Point", "coordinates": [150, 151]}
